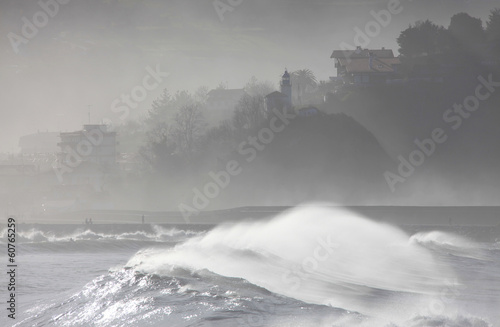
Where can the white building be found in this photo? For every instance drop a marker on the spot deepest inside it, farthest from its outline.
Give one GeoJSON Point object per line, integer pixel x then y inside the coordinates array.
{"type": "Point", "coordinates": [41, 142]}
{"type": "Point", "coordinates": [94, 144]}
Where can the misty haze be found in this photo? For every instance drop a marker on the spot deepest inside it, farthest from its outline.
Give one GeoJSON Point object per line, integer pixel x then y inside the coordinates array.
{"type": "Point", "coordinates": [250, 163]}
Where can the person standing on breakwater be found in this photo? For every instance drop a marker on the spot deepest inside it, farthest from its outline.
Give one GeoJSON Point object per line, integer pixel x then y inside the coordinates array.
{"type": "Point", "coordinates": [143, 219]}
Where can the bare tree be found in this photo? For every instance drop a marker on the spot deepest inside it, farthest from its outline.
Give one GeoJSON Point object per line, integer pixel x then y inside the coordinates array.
{"type": "Point", "coordinates": [189, 126]}
{"type": "Point", "coordinates": [160, 109]}
{"type": "Point", "coordinates": [166, 106]}
{"type": "Point", "coordinates": [256, 88]}
{"type": "Point", "coordinates": [201, 95]}
{"type": "Point", "coordinates": [250, 113]}
{"type": "Point", "coordinates": [158, 149]}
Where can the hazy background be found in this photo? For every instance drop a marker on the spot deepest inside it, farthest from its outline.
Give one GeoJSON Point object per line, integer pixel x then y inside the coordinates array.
{"type": "Point", "coordinates": [93, 51]}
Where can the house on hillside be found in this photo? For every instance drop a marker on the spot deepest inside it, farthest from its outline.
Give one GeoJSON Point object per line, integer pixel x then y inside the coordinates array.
{"type": "Point", "coordinates": [364, 67]}
{"type": "Point", "coordinates": [276, 100]}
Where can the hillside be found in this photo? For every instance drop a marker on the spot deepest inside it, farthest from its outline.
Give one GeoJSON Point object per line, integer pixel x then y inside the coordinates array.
{"type": "Point", "coordinates": [322, 158]}
{"type": "Point", "coordinates": [466, 163]}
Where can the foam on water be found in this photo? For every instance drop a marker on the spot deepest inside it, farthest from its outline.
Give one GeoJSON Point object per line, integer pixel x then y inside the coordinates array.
{"type": "Point", "coordinates": [157, 234]}
{"type": "Point", "coordinates": [275, 273]}
{"type": "Point", "coordinates": [317, 255]}
{"type": "Point", "coordinates": [443, 239]}
{"type": "Point", "coordinates": [452, 244]}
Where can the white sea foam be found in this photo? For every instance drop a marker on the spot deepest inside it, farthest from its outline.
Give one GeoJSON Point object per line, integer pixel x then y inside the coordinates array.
{"type": "Point", "coordinates": [316, 255]}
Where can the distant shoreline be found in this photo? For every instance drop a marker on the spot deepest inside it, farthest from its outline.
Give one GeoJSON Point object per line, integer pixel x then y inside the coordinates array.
{"type": "Point", "coordinates": [398, 215]}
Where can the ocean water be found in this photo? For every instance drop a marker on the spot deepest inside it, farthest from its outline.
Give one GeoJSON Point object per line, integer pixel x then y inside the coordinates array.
{"type": "Point", "coordinates": [306, 267]}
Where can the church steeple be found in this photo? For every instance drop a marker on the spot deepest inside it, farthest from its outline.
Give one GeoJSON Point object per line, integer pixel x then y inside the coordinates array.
{"type": "Point", "coordinates": [285, 79]}
{"type": "Point", "coordinates": [286, 87]}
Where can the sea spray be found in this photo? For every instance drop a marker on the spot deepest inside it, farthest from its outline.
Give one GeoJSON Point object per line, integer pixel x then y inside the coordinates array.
{"type": "Point", "coordinates": [314, 254]}
{"type": "Point", "coordinates": [341, 261]}
{"type": "Point", "coordinates": [443, 239]}
{"type": "Point", "coordinates": [451, 244]}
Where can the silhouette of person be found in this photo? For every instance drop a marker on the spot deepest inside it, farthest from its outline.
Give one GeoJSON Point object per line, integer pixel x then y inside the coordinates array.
{"type": "Point", "coordinates": [143, 219]}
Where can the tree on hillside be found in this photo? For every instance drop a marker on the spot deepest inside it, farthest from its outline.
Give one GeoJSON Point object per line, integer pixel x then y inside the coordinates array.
{"type": "Point", "coordinates": [250, 113]}
{"type": "Point", "coordinates": [159, 111]}
{"type": "Point", "coordinates": [221, 139]}
{"type": "Point", "coordinates": [222, 132]}
{"type": "Point", "coordinates": [493, 25]}
{"type": "Point", "coordinates": [158, 149]}
{"type": "Point", "coordinates": [493, 30]}
{"type": "Point", "coordinates": [165, 108]}
{"type": "Point", "coordinates": [189, 126]}
{"type": "Point", "coordinates": [201, 95]}
{"type": "Point", "coordinates": [304, 79]}
{"type": "Point", "coordinates": [423, 38]}
{"type": "Point", "coordinates": [466, 31]}
{"type": "Point", "coordinates": [181, 99]}
{"type": "Point", "coordinates": [221, 86]}
{"type": "Point", "coordinates": [256, 88]}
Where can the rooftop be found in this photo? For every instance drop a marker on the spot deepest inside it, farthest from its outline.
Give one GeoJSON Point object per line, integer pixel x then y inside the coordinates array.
{"type": "Point", "coordinates": [362, 65]}
{"type": "Point", "coordinates": [276, 94]}
{"type": "Point", "coordinates": [362, 53]}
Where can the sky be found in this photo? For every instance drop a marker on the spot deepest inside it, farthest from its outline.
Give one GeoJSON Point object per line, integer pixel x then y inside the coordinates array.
{"type": "Point", "coordinates": [88, 56]}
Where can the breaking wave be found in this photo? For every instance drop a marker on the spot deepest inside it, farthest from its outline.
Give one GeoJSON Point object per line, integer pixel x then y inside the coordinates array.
{"type": "Point", "coordinates": [321, 256]}
{"type": "Point", "coordinates": [448, 243]}
{"type": "Point", "coordinates": [96, 238]}
{"type": "Point", "coordinates": [157, 234]}
{"type": "Point", "coordinates": [307, 267]}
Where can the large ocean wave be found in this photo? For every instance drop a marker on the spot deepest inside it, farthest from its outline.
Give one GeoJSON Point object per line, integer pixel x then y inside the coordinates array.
{"type": "Point", "coordinates": [125, 297]}
{"type": "Point", "coordinates": [307, 267]}
{"type": "Point", "coordinates": [321, 256]}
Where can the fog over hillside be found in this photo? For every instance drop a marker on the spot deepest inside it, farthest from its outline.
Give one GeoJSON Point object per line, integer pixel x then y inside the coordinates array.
{"type": "Point", "coordinates": [93, 51]}
{"type": "Point", "coordinates": [187, 85]}
{"type": "Point", "coordinates": [250, 163]}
